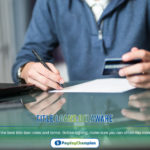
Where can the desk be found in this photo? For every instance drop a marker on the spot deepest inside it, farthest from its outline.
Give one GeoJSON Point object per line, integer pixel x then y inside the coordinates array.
{"type": "Point", "coordinates": [20, 127]}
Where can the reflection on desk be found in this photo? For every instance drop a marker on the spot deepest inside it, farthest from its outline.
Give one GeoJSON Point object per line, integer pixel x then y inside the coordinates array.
{"type": "Point", "coordinates": [22, 111]}
{"type": "Point", "coordinates": [46, 104]}
{"type": "Point", "coordinates": [141, 101]}
{"type": "Point", "coordinates": [81, 103]}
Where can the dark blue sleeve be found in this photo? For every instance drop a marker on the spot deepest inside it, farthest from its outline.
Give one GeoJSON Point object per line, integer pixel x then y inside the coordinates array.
{"type": "Point", "coordinates": [40, 36]}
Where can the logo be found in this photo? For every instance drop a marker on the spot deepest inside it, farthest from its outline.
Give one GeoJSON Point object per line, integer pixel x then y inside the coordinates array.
{"type": "Point", "coordinates": [74, 143]}
{"type": "Point", "coordinates": [58, 142]}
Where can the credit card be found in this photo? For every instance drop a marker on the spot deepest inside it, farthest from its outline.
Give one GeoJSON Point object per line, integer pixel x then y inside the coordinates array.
{"type": "Point", "coordinates": [113, 65]}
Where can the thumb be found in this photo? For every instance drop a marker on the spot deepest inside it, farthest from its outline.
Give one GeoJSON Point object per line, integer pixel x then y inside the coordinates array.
{"type": "Point", "coordinates": [134, 49]}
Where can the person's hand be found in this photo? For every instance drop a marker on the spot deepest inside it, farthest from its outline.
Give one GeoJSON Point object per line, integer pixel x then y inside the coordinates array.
{"type": "Point", "coordinates": [139, 101]}
{"type": "Point", "coordinates": [36, 74]}
{"type": "Point", "coordinates": [143, 68]}
{"type": "Point", "coordinates": [46, 104]}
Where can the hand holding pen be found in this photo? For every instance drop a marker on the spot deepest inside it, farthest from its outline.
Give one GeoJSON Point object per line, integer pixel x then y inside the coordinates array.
{"type": "Point", "coordinates": [41, 74]}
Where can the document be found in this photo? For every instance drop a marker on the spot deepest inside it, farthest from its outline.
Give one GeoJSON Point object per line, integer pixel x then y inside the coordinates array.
{"type": "Point", "coordinates": [111, 85]}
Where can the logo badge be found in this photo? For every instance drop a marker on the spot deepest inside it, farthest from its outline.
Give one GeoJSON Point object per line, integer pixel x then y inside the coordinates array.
{"type": "Point", "coordinates": [74, 143]}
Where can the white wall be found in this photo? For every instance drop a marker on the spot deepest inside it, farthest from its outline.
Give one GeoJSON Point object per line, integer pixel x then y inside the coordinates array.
{"type": "Point", "coordinates": [7, 47]}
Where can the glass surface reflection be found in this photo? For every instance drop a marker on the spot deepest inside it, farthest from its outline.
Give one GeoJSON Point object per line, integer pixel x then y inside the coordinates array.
{"type": "Point", "coordinates": [141, 102]}
{"type": "Point", "coordinates": [46, 104]}
{"type": "Point", "coordinates": [125, 107]}
{"type": "Point", "coordinates": [130, 110]}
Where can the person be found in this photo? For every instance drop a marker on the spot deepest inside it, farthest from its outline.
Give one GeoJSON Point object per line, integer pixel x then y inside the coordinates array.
{"type": "Point", "coordinates": [88, 31]}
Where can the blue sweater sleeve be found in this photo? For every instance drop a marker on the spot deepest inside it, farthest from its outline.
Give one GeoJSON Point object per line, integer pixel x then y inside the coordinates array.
{"type": "Point", "coordinates": [40, 36]}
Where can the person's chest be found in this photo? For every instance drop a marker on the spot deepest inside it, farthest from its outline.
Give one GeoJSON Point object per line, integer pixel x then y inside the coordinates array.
{"type": "Point", "coordinates": [77, 30]}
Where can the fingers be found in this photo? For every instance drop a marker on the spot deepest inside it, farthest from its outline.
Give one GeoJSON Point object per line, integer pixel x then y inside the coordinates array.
{"type": "Point", "coordinates": [37, 84]}
{"type": "Point", "coordinates": [140, 116]}
{"type": "Point", "coordinates": [141, 100]}
{"type": "Point", "coordinates": [41, 97]}
{"type": "Point", "coordinates": [38, 98]}
{"type": "Point", "coordinates": [45, 81]}
{"type": "Point", "coordinates": [41, 77]}
{"type": "Point", "coordinates": [49, 74]}
{"type": "Point", "coordinates": [134, 49]}
{"type": "Point", "coordinates": [54, 108]}
{"type": "Point", "coordinates": [138, 74]}
{"type": "Point", "coordinates": [53, 98]}
{"type": "Point", "coordinates": [139, 96]}
{"type": "Point", "coordinates": [139, 68]}
{"type": "Point", "coordinates": [145, 85]}
{"type": "Point", "coordinates": [45, 104]}
{"type": "Point", "coordinates": [138, 79]}
{"type": "Point", "coordinates": [53, 68]}
{"type": "Point", "coordinates": [136, 54]}
{"type": "Point", "coordinates": [48, 101]}
{"type": "Point", "coordinates": [139, 103]}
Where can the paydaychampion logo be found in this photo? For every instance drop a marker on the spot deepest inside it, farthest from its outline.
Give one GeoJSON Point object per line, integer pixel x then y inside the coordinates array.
{"type": "Point", "coordinates": [74, 143]}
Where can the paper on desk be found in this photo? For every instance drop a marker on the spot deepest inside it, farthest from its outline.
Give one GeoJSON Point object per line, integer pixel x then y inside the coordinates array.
{"type": "Point", "coordinates": [111, 85]}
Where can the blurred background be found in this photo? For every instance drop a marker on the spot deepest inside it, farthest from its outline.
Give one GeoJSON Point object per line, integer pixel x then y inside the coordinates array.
{"type": "Point", "coordinates": [15, 16]}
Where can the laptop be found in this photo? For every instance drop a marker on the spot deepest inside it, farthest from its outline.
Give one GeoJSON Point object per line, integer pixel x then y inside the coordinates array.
{"type": "Point", "coordinates": [9, 89]}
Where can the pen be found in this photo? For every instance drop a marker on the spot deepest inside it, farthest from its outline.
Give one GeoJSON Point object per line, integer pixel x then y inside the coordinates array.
{"type": "Point", "coordinates": [42, 62]}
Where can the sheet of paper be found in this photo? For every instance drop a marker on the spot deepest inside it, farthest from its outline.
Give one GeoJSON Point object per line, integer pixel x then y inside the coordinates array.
{"type": "Point", "coordinates": [111, 85]}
